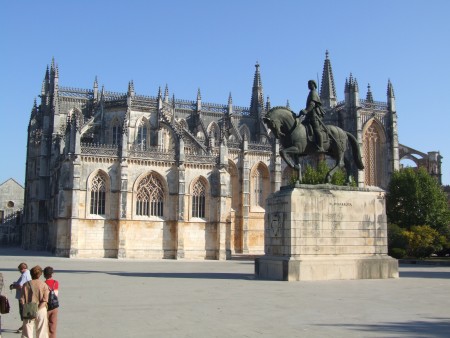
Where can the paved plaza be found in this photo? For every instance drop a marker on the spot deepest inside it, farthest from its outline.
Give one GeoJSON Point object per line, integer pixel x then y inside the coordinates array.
{"type": "Point", "coordinates": [168, 298]}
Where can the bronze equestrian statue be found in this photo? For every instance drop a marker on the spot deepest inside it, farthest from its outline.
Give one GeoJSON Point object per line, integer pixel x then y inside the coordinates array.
{"type": "Point", "coordinates": [294, 138]}
{"type": "Point", "coordinates": [314, 114]}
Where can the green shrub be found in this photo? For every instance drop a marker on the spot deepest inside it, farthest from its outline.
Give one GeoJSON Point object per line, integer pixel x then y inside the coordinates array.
{"type": "Point", "coordinates": [422, 241]}
{"type": "Point", "coordinates": [317, 176]}
{"type": "Point", "coordinates": [396, 238]}
{"type": "Point", "coordinates": [397, 253]}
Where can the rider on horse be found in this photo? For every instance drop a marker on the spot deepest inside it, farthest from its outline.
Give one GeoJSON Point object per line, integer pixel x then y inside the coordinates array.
{"type": "Point", "coordinates": [314, 113]}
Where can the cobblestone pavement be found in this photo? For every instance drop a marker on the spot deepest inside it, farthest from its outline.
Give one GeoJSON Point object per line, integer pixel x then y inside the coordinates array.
{"type": "Point", "coordinates": [168, 298]}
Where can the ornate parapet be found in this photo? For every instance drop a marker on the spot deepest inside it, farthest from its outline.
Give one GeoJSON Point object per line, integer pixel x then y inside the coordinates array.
{"type": "Point", "coordinates": [97, 149]}
{"type": "Point", "coordinates": [157, 153]}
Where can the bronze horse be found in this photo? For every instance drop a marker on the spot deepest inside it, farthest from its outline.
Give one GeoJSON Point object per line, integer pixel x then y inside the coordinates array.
{"type": "Point", "coordinates": [294, 139]}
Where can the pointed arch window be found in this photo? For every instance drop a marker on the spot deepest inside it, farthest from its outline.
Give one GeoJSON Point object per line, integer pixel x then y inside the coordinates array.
{"type": "Point", "coordinates": [372, 156]}
{"type": "Point", "coordinates": [214, 134]}
{"type": "Point", "coordinates": [259, 186]}
{"type": "Point", "coordinates": [142, 135]}
{"type": "Point", "coordinates": [150, 197]}
{"type": "Point", "coordinates": [245, 132]}
{"type": "Point", "coordinates": [199, 200]}
{"type": "Point", "coordinates": [115, 132]}
{"type": "Point", "coordinates": [98, 195]}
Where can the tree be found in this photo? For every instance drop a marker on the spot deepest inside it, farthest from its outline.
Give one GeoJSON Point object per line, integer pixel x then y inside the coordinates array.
{"type": "Point", "coordinates": [416, 198]}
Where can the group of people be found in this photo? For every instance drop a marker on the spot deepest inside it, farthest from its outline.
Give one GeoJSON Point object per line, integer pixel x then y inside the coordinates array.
{"type": "Point", "coordinates": [30, 288]}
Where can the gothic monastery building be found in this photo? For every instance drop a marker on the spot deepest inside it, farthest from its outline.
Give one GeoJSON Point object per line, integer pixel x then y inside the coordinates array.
{"type": "Point", "coordinates": [123, 175]}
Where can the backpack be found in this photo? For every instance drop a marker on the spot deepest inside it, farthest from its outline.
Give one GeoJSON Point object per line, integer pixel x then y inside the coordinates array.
{"type": "Point", "coordinates": [4, 305]}
{"type": "Point", "coordinates": [53, 301]}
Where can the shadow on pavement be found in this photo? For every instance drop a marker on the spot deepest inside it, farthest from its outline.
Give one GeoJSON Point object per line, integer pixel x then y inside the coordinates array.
{"type": "Point", "coordinates": [424, 274]}
{"type": "Point", "coordinates": [435, 327]}
{"type": "Point", "coordinates": [195, 275]}
{"type": "Point", "coordinates": [17, 251]}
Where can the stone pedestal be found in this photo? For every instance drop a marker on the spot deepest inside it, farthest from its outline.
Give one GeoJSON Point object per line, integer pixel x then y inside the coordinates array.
{"type": "Point", "coordinates": [325, 232]}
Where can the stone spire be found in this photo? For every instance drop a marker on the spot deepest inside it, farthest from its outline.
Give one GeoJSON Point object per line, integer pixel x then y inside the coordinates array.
{"type": "Point", "coordinates": [268, 106]}
{"type": "Point", "coordinates": [54, 88]}
{"type": "Point", "coordinates": [159, 92]}
{"type": "Point", "coordinates": [45, 82]}
{"type": "Point", "coordinates": [34, 110]}
{"type": "Point", "coordinates": [369, 96]}
{"type": "Point", "coordinates": [166, 94]}
{"type": "Point", "coordinates": [173, 109]}
{"type": "Point", "coordinates": [257, 101]}
{"type": "Point", "coordinates": [199, 100]}
{"type": "Point", "coordinates": [352, 91]}
{"type": "Point", "coordinates": [391, 97]}
{"type": "Point", "coordinates": [288, 106]}
{"type": "Point", "coordinates": [95, 89]}
{"type": "Point", "coordinates": [131, 88]}
{"type": "Point", "coordinates": [390, 90]}
{"type": "Point", "coordinates": [53, 75]}
{"type": "Point", "coordinates": [327, 88]}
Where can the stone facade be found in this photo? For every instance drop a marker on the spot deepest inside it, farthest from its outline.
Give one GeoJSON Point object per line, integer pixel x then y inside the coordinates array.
{"type": "Point", "coordinates": [11, 205]}
{"type": "Point", "coordinates": [131, 176]}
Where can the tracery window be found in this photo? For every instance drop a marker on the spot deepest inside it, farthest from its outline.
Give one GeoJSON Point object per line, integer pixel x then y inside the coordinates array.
{"type": "Point", "coordinates": [372, 156]}
{"type": "Point", "coordinates": [199, 200]}
{"type": "Point", "coordinates": [116, 132]}
{"type": "Point", "coordinates": [259, 186]}
{"type": "Point", "coordinates": [150, 197]}
{"type": "Point", "coordinates": [166, 142]}
{"type": "Point", "coordinates": [142, 135]}
{"type": "Point", "coordinates": [98, 195]}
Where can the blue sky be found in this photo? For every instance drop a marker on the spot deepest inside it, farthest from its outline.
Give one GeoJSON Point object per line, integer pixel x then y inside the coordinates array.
{"type": "Point", "coordinates": [214, 45]}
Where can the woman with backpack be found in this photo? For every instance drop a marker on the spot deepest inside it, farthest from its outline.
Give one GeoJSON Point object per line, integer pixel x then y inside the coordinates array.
{"type": "Point", "coordinates": [52, 312]}
{"type": "Point", "coordinates": [34, 300]}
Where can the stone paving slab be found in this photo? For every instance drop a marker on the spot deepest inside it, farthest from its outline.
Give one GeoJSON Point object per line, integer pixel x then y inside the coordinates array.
{"type": "Point", "coordinates": [168, 298]}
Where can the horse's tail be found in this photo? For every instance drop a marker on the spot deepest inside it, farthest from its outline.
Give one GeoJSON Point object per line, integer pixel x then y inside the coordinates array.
{"type": "Point", "coordinates": [355, 150]}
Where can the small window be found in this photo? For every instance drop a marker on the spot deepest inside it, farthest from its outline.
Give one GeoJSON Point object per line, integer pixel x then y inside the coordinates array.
{"type": "Point", "coordinates": [10, 204]}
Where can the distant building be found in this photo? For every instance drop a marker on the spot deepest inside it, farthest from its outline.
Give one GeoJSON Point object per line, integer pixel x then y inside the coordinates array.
{"type": "Point", "coordinates": [127, 175]}
{"type": "Point", "coordinates": [11, 205]}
